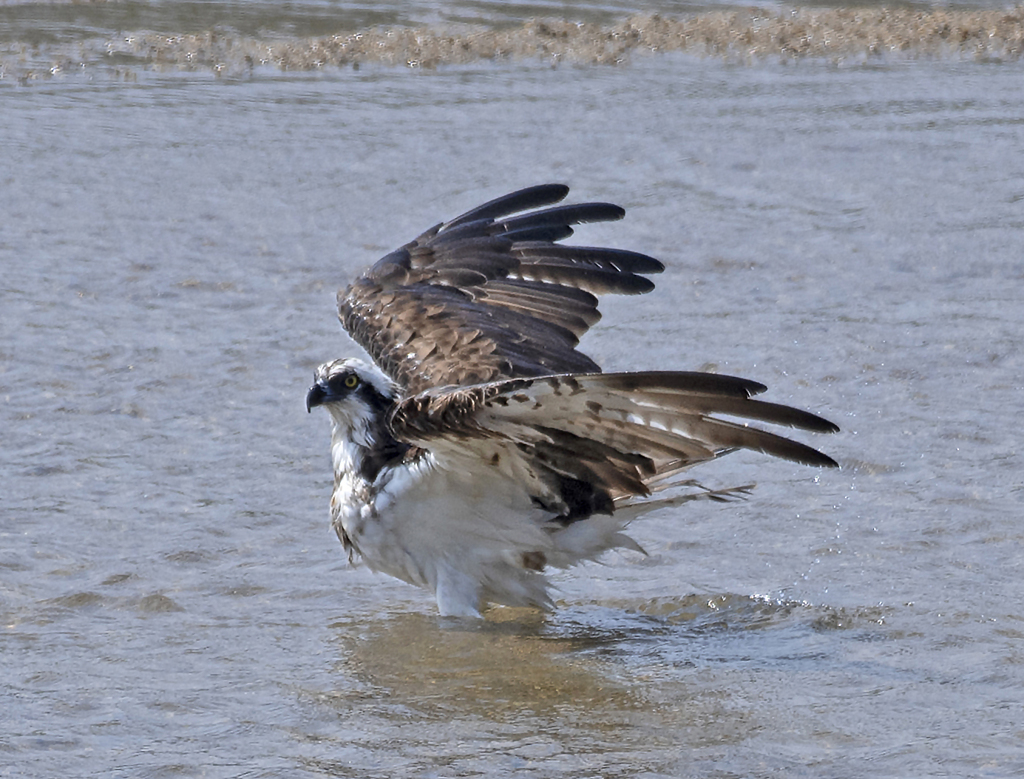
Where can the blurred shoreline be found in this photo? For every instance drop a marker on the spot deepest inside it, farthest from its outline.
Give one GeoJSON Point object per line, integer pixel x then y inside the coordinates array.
{"type": "Point", "coordinates": [839, 35]}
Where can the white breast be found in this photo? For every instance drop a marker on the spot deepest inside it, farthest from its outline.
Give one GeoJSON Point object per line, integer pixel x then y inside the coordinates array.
{"type": "Point", "coordinates": [461, 536]}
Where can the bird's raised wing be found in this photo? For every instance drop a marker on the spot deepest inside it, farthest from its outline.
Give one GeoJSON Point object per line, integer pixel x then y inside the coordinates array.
{"type": "Point", "coordinates": [581, 443]}
{"type": "Point", "coordinates": [490, 295]}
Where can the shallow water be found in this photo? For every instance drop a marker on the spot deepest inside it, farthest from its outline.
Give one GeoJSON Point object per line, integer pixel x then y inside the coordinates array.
{"type": "Point", "coordinates": [173, 600]}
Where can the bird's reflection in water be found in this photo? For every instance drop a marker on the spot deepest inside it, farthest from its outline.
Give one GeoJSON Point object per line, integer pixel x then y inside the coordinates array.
{"type": "Point", "coordinates": [669, 686]}
{"type": "Point", "coordinates": [514, 662]}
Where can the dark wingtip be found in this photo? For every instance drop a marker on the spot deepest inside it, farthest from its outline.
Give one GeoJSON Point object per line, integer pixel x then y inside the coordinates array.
{"type": "Point", "coordinates": [514, 202]}
{"type": "Point", "coordinates": [798, 452]}
{"type": "Point", "coordinates": [652, 265]}
{"type": "Point", "coordinates": [794, 417]}
{"type": "Point", "coordinates": [824, 461]}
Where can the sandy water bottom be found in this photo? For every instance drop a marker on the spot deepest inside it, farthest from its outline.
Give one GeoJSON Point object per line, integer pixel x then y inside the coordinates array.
{"type": "Point", "coordinates": [173, 602]}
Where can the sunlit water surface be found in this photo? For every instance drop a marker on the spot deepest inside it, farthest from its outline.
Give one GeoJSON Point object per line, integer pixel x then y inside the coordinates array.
{"type": "Point", "coordinates": [173, 601]}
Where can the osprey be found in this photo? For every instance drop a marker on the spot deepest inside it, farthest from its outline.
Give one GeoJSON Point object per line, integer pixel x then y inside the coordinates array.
{"type": "Point", "coordinates": [485, 448]}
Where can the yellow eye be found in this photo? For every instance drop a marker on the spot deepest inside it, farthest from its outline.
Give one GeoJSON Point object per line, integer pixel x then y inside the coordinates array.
{"type": "Point", "coordinates": [351, 382]}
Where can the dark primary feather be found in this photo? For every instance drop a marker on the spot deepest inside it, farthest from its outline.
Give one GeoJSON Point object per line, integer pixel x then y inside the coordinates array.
{"type": "Point", "coordinates": [521, 200]}
{"type": "Point", "coordinates": [490, 295]}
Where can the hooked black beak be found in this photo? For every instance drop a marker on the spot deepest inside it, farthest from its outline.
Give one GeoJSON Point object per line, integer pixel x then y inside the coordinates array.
{"type": "Point", "coordinates": [315, 397]}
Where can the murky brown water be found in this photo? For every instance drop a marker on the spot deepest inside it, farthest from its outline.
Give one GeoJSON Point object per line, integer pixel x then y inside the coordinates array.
{"type": "Point", "coordinates": [172, 600]}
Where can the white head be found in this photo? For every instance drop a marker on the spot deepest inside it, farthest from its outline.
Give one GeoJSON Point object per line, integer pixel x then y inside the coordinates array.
{"type": "Point", "coordinates": [357, 395]}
